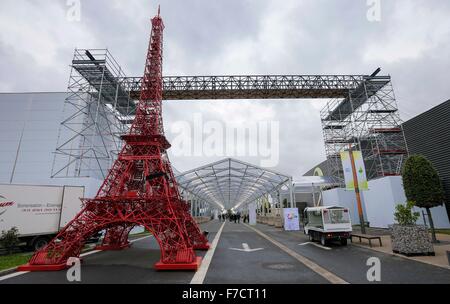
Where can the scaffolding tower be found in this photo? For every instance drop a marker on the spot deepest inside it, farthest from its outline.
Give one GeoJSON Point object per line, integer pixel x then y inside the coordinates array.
{"type": "Point", "coordinates": [97, 111]}
{"type": "Point", "coordinates": [368, 120]}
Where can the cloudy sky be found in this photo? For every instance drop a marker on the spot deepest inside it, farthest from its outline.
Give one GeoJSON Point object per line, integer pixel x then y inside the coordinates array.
{"type": "Point", "coordinates": [411, 43]}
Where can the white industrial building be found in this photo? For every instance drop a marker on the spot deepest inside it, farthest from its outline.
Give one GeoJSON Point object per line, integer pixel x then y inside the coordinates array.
{"type": "Point", "coordinates": [30, 126]}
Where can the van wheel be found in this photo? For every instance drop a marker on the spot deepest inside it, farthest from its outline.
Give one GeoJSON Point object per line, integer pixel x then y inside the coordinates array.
{"type": "Point", "coordinates": [39, 243]}
{"type": "Point", "coordinates": [323, 241]}
{"type": "Point", "coordinates": [344, 242]}
{"type": "Point", "coordinates": [311, 239]}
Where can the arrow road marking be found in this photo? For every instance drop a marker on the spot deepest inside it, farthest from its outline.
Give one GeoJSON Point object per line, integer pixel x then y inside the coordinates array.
{"type": "Point", "coordinates": [317, 245]}
{"type": "Point", "coordinates": [246, 248]}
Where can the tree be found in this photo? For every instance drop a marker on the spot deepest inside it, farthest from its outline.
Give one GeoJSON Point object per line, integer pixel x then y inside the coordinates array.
{"type": "Point", "coordinates": [423, 186]}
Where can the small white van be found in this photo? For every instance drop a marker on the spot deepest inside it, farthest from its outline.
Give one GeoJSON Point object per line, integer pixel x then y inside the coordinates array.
{"type": "Point", "coordinates": [330, 223]}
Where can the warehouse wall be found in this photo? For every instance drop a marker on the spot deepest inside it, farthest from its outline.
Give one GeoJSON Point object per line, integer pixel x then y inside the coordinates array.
{"type": "Point", "coordinates": [429, 134]}
{"type": "Point", "coordinates": [379, 203]}
{"type": "Point", "coordinates": [385, 194]}
{"type": "Point", "coordinates": [344, 198]}
{"type": "Point", "coordinates": [29, 124]}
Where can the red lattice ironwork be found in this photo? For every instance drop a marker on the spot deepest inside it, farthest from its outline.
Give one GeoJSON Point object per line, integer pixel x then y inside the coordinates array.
{"type": "Point", "coordinates": [140, 189]}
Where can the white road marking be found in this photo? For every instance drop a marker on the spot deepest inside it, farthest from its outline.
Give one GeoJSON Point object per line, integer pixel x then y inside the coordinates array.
{"type": "Point", "coordinates": [89, 253]}
{"type": "Point", "coordinates": [15, 274]}
{"type": "Point", "coordinates": [246, 248]}
{"type": "Point", "coordinates": [315, 244]}
{"type": "Point", "coordinates": [142, 238]}
{"type": "Point", "coordinates": [329, 276]}
{"type": "Point", "coordinates": [200, 275]}
{"type": "Point", "coordinates": [12, 275]}
{"type": "Point", "coordinates": [96, 251]}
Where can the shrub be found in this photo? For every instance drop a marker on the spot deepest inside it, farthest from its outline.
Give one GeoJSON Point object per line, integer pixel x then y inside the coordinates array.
{"type": "Point", "coordinates": [10, 239]}
{"type": "Point", "coordinates": [404, 214]}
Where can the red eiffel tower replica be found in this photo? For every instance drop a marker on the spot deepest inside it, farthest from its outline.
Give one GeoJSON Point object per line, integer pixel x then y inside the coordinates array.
{"type": "Point", "coordinates": [140, 189]}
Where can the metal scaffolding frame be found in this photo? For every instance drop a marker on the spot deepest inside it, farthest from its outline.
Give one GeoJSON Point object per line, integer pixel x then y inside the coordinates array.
{"type": "Point", "coordinates": [231, 183]}
{"type": "Point", "coordinates": [101, 101]}
{"type": "Point", "coordinates": [97, 110]}
{"type": "Point", "coordinates": [368, 120]}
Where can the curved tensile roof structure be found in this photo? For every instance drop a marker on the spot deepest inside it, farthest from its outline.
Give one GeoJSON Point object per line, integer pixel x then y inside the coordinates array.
{"type": "Point", "coordinates": [230, 183]}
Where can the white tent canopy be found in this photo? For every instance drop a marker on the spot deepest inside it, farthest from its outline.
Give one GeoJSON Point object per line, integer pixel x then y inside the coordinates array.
{"type": "Point", "coordinates": [231, 183]}
{"type": "Point", "coordinates": [308, 184]}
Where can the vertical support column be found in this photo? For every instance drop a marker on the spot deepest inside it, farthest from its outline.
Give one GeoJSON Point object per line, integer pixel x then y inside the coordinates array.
{"type": "Point", "coordinates": [197, 208]}
{"type": "Point", "coordinates": [252, 213]}
{"type": "Point", "coordinates": [313, 194]}
{"type": "Point", "coordinates": [192, 203]}
{"type": "Point", "coordinates": [291, 193]}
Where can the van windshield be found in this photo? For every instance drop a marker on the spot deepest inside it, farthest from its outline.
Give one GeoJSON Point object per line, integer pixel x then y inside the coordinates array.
{"type": "Point", "coordinates": [338, 216]}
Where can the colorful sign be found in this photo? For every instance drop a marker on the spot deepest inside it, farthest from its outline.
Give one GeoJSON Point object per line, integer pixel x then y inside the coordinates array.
{"type": "Point", "coordinates": [360, 170]}
{"type": "Point", "coordinates": [291, 219]}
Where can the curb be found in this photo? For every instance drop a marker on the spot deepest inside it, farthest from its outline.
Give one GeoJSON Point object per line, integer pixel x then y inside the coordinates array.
{"type": "Point", "coordinates": [404, 257]}
{"type": "Point", "coordinates": [8, 271]}
{"type": "Point", "coordinates": [14, 269]}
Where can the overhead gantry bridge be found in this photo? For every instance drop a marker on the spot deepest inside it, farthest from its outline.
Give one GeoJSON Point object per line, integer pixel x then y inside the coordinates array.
{"type": "Point", "coordinates": [257, 86]}
{"type": "Point", "coordinates": [101, 102]}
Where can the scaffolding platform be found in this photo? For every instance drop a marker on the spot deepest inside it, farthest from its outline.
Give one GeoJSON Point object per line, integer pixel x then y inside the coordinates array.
{"type": "Point", "coordinates": [368, 119]}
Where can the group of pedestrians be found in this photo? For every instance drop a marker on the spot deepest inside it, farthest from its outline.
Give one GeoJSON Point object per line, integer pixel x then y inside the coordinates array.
{"type": "Point", "coordinates": [234, 217]}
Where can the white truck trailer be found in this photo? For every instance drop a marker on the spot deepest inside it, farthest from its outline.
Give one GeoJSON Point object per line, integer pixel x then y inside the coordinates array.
{"type": "Point", "coordinates": [324, 224]}
{"type": "Point", "coordinates": [38, 212]}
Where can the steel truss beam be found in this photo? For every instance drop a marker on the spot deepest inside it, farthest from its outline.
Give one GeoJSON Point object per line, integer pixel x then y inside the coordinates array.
{"type": "Point", "coordinates": [252, 86]}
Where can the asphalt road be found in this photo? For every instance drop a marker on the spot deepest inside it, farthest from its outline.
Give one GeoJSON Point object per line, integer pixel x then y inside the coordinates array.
{"type": "Point", "coordinates": [245, 256]}
{"type": "Point", "coordinates": [267, 265]}
{"type": "Point", "coordinates": [350, 262]}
